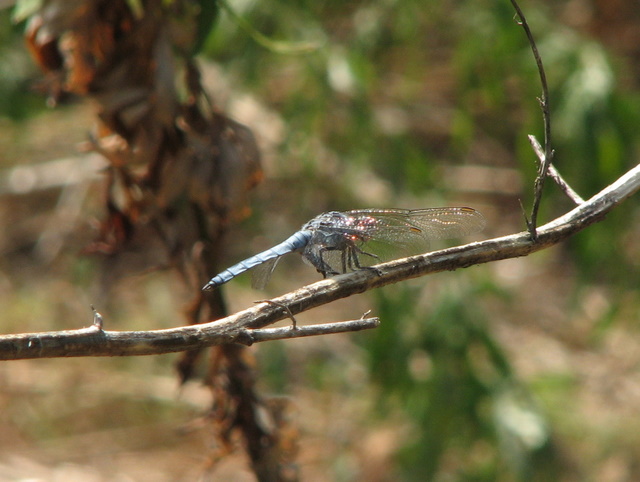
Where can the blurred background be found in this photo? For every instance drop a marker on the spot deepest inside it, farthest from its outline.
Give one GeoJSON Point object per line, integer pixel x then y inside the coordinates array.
{"type": "Point", "coordinates": [525, 369]}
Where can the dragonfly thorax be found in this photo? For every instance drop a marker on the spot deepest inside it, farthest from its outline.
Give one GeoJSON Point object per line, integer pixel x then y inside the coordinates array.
{"type": "Point", "coordinates": [329, 219]}
{"type": "Point", "coordinates": [335, 232]}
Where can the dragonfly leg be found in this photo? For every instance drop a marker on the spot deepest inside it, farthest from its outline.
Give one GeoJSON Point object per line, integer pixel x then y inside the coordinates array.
{"type": "Point", "coordinates": [286, 309]}
{"type": "Point", "coordinates": [345, 257]}
{"type": "Point", "coordinates": [360, 251]}
{"type": "Point", "coordinates": [350, 257]}
{"type": "Point", "coordinates": [354, 261]}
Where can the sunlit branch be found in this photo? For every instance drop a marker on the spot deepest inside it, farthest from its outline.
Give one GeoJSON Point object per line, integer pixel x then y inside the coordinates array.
{"type": "Point", "coordinates": [248, 337]}
{"type": "Point", "coordinates": [95, 342]}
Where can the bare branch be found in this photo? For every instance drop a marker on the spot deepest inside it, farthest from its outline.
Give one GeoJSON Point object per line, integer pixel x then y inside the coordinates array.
{"type": "Point", "coordinates": [248, 337]}
{"type": "Point", "coordinates": [94, 342]}
{"type": "Point", "coordinates": [554, 174]}
{"type": "Point", "coordinates": [544, 105]}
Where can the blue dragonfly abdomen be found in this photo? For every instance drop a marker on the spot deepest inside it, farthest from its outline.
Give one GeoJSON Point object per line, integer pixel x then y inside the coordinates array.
{"type": "Point", "coordinates": [295, 242]}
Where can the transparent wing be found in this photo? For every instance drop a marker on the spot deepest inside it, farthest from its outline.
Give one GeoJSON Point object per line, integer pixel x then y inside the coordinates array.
{"type": "Point", "coordinates": [261, 274]}
{"type": "Point", "coordinates": [389, 233]}
{"type": "Point", "coordinates": [409, 228]}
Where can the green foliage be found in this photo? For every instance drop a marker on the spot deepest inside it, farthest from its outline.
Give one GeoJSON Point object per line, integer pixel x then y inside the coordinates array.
{"type": "Point", "coordinates": [206, 17]}
{"type": "Point", "coordinates": [355, 93]}
{"type": "Point", "coordinates": [17, 99]}
{"type": "Point", "coordinates": [438, 363]}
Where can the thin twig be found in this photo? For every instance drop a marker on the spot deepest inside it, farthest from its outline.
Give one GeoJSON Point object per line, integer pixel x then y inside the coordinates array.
{"type": "Point", "coordinates": [544, 105]}
{"type": "Point", "coordinates": [294, 323]}
{"type": "Point", "coordinates": [248, 337]}
{"type": "Point", "coordinates": [93, 342]}
{"type": "Point", "coordinates": [554, 174]}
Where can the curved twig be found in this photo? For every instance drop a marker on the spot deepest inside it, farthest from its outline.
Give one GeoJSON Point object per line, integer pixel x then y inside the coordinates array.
{"type": "Point", "coordinates": [546, 117]}
{"type": "Point", "coordinates": [93, 341]}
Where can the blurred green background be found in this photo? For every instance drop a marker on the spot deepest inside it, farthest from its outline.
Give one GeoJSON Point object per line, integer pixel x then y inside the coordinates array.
{"type": "Point", "coordinates": [527, 369]}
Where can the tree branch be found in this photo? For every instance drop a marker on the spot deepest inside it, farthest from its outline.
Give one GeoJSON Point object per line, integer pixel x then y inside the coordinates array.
{"type": "Point", "coordinates": [553, 172]}
{"type": "Point", "coordinates": [248, 337]}
{"type": "Point", "coordinates": [94, 342]}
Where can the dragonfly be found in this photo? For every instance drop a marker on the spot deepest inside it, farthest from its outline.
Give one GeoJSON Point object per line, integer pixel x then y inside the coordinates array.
{"type": "Point", "coordinates": [336, 242]}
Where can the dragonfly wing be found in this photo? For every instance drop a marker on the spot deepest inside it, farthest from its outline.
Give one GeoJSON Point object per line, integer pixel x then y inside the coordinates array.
{"type": "Point", "coordinates": [447, 223]}
{"type": "Point", "coordinates": [405, 231]}
{"type": "Point", "coordinates": [261, 274]}
{"type": "Point", "coordinates": [443, 223]}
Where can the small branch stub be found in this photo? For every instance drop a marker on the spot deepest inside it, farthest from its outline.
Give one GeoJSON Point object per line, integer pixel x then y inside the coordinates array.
{"type": "Point", "coordinates": [98, 321]}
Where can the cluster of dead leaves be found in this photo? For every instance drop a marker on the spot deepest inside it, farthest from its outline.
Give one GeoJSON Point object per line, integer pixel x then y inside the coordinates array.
{"type": "Point", "coordinates": [179, 171]}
